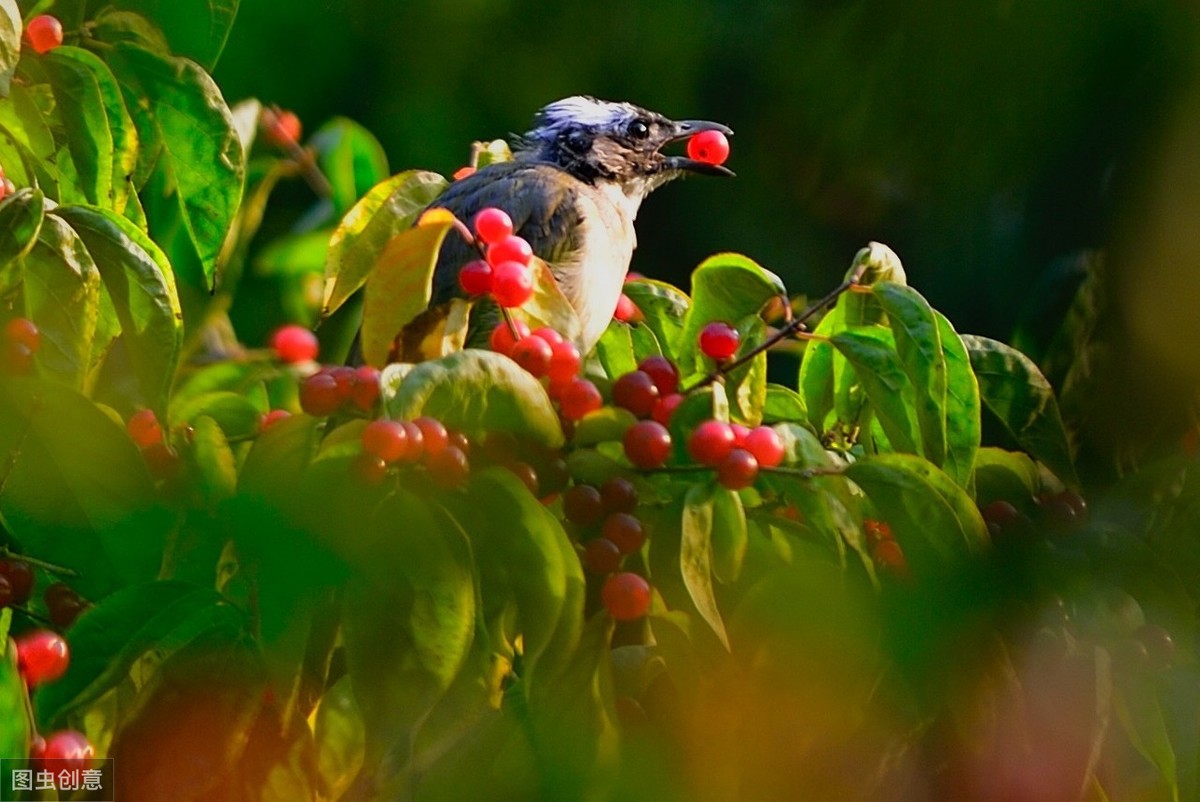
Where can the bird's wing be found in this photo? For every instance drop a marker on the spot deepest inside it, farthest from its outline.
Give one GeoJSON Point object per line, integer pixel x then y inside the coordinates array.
{"type": "Point", "coordinates": [540, 199]}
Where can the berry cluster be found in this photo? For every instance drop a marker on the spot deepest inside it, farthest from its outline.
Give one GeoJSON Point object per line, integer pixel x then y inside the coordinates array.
{"type": "Point", "coordinates": [43, 656]}
{"type": "Point", "coordinates": [737, 452]}
{"type": "Point", "coordinates": [17, 581]}
{"type": "Point", "coordinates": [44, 33]}
{"type": "Point", "coordinates": [544, 353]}
{"type": "Point", "coordinates": [387, 443]}
{"type": "Point", "coordinates": [1056, 514]}
{"type": "Point", "coordinates": [504, 272]}
{"type": "Point", "coordinates": [605, 517]}
{"type": "Point", "coordinates": [21, 341]}
{"type": "Point", "coordinates": [331, 389]}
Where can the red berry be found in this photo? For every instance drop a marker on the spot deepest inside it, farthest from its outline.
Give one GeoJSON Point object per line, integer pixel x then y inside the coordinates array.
{"type": "Point", "coordinates": [710, 147]}
{"type": "Point", "coordinates": [6, 187]}
{"type": "Point", "coordinates": [162, 461]}
{"type": "Point", "coordinates": [740, 433]}
{"type": "Point", "coordinates": [525, 472]}
{"type": "Point", "coordinates": [719, 340]}
{"type": "Point", "coordinates": [416, 441]}
{"type": "Point", "coordinates": [295, 344]}
{"type": "Point", "coordinates": [889, 557]}
{"type": "Point", "coordinates": [578, 398]}
{"type": "Point", "coordinates": [766, 446]}
{"type": "Point", "coordinates": [663, 372]}
{"type": "Point", "coordinates": [43, 657]}
{"type": "Point", "coordinates": [711, 442]}
{"type": "Point", "coordinates": [582, 505]}
{"type": "Point", "coordinates": [271, 418]}
{"type": "Point", "coordinates": [283, 129]}
{"type": "Point", "coordinates": [44, 33]}
{"type": "Point", "coordinates": [502, 340]}
{"type": "Point", "coordinates": [364, 391]}
{"type": "Point", "coordinates": [143, 427]}
{"type": "Point", "coordinates": [6, 592]}
{"type": "Point", "coordinates": [625, 531]}
{"type": "Point", "coordinates": [18, 359]}
{"type": "Point", "coordinates": [626, 596]}
{"type": "Point", "coordinates": [459, 441]}
{"type": "Point", "coordinates": [533, 354]}
{"type": "Point", "coordinates": [551, 336]}
{"type": "Point", "coordinates": [464, 172]}
{"type": "Point", "coordinates": [565, 362]}
{"type": "Point", "coordinates": [627, 311]}
{"type": "Point", "coordinates": [1001, 513]}
{"type": "Point", "coordinates": [647, 444]}
{"type": "Point", "coordinates": [619, 495]}
{"type": "Point", "coordinates": [71, 746]}
{"type": "Point", "coordinates": [492, 225]}
{"type": "Point", "coordinates": [370, 469]}
{"type": "Point", "coordinates": [386, 439]}
{"type": "Point", "coordinates": [739, 469]}
{"type": "Point", "coordinates": [448, 468]}
{"type": "Point", "coordinates": [510, 249]}
{"type": "Point", "coordinates": [877, 531]}
{"type": "Point", "coordinates": [433, 434]}
{"type": "Point", "coordinates": [320, 395]}
{"type": "Point", "coordinates": [635, 392]}
{"type": "Point", "coordinates": [665, 407]}
{"type": "Point", "coordinates": [512, 284]}
{"type": "Point", "coordinates": [20, 578]}
{"type": "Point", "coordinates": [343, 376]}
{"type": "Point", "coordinates": [476, 277]}
{"type": "Point", "coordinates": [601, 556]}
{"type": "Point", "coordinates": [25, 331]}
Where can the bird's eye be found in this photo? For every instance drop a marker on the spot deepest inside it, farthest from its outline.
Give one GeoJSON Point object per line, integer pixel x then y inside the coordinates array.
{"type": "Point", "coordinates": [638, 129]}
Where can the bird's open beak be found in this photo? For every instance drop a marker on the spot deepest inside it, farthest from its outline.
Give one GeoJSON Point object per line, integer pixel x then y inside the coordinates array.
{"type": "Point", "coordinates": [685, 129]}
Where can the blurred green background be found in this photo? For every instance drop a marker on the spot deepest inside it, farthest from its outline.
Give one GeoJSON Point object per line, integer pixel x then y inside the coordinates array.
{"type": "Point", "coordinates": [981, 140]}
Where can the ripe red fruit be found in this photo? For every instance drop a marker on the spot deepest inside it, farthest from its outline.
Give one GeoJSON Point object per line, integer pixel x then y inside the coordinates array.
{"type": "Point", "coordinates": [25, 331]}
{"type": "Point", "coordinates": [20, 578]}
{"type": "Point", "coordinates": [510, 249]}
{"type": "Point", "coordinates": [582, 505]}
{"type": "Point", "coordinates": [766, 446]}
{"type": "Point", "coordinates": [578, 398]}
{"type": "Point", "coordinates": [71, 746]}
{"type": "Point", "coordinates": [738, 469]}
{"type": "Point", "coordinates": [710, 147]}
{"type": "Point", "coordinates": [740, 433]}
{"type": "Point", "coordinates": [476, 277]}
{"type": "Point", "coordinates": [295, 344]}
{"type": "Point", "coordinates": [565, 362]}
{"type": "Point", "coordinates": [663, 371]}
{"type": "Point", "coordinates": [144, 428]}
{"type": "Point", "coordinates": [665, 407]}
{"type": "Point", "coordinates": [62, 602]}
{"type": "Point", "coordinates": [626, 596]}
{"type": "Point", "coordinates": [711, 442]}
{"type": "Point", "coordinates": [889, 557]}
{"type": "Point", "coordinates": [271, 418]}
{"type": "Point", "coordinates": [18, 359]}
{"type": "Point", "coordinates": [343, 376]}
{"type": "Point", "coordinates": [635, 392]}
{"type": "Point", "coordinates": [370, 469]}
{"type": "Point", "coordinates": [364, 390]}
{"type": "Point", "coordinates": [601, 556]}
{"type": "Point", "coordinates": [551, 336]}
{"type": "Point", "coordinates": [1001, 513]}
{"type": "Point", "coordinates": [877, 531]}
{"type": "Point", "coordinates": [526, 473]}
{"type": "Point", "coordinates": [493, 225]}
{"type": "Point", "coordinates": [533, 354]}
{"type": "Point", "coordinates": [502, 340]}
{"type": "Point", "coordinates": [512, 284]}
{"type": "Point", "coordinates": [448, 468]}
{"type": "Point", "coordinates": [386, 439]}
{"type": "Point", "coordinates": [283, 129]}
{"type": "Point", "coordinates": [459, 441]}
{"type": "Point", "coordinates": [625, 531]}
{"type": "Point", "coordinates": [320, 395]}
{"type": "Point", "coordinates": [627, 311]}
{"type": "Point", "coordinates": [42, 656]}
{"type": "Point", "coordinates": [44, 33]}
{"type": "Point", "coordinates": [433, 434]}
{"type": "Point", "coordinates": [647, 444]}
{"type": "Point", "coordinates": [619, 495]}
{"type": "Point", "coordinates": [416, 441]}
{"type": "Point", "coordinates": [719, 340]}
{"type": "Point", "coordinates": [464, 172]}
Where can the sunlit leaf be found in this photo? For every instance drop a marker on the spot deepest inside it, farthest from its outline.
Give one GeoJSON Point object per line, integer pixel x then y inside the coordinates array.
{"type": "Point", "coordinates": [696, 556]}
{"type": "Point", "coordinates": [878, 370]}
{"type": "Point", "coordinates": [665, 309]}
{"type": "Point", "coordinates": [15, 727]}
{"type": "Point", "coordinates": [194, 28]}
{"type": "Point", "coordinates": [10, 43]}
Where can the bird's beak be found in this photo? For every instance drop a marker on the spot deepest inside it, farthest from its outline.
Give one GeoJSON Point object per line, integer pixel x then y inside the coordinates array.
{"type": "Point", "coordinates": [685, 129]}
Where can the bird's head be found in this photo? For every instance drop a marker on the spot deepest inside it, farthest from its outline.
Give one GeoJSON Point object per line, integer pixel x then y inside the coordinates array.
{"type": "Point", "coordinates": [596, 140]}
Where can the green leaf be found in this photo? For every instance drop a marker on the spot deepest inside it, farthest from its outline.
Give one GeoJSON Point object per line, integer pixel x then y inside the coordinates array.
{"type": "Point", "coordinates": [934, 520]}
{"type": "Point", "coordinates": [1018, 394]}
{"type": "Point", "coordinates": [390, 208]}
{"type": "Point", "coordinates": [15, 729]}
{"type": "Point", "coordinates": [665, 308]}
{"type": "Point", "coordinates": [294, 255]}
{"type": "Point", "coordinates": [696, 555]}
{"type": "Point", "coordinates": [1004, 476]}
{"type": "Point", "coordinates": [215, 475]}
{"type": "Point", "coordinates": [729, 537]}
{"type": "Point", "coordinates": [747, 386]}
{"type": "Point", "coordinates": [140, 283]}
{"type": "Point", "coordinates": [112, 25]}
{"type": "Point", "coordinates": [186, 116]}
{"type": "Point", "coordinates": [243, 378]}
{"type": "Point", "coordinates": [878, 370]}
{"type": "Point", "coordinates": [351, 158]}
{"type": "Point", "coordinates": [605, 425]}
{"type": "Point", "coordinates": [74, 488]}
{"type": "Point", "coordinates": [963, 422]}
{"type": "Point", "coordinates": [194, 28]}
{"type": "Point", "coordinates": [816, 370]}
{"type": "Point", "coordinates": [783, 405]}
{"type": "Point", "coordinates": [25, 119]}
{"type": "Point", "coordinates": [107, 641]}
{"type": "Point", "coordinates": [100, 134]}
{"type": "Point", "coordinates": [236, 414]}
{"type": "Point", "coordinates": [62, 296]}
{"type": "Point", "coordinates": [400, 287]}
{"type": "Point", "coordinates": [10, 49]}
{"type": "Point", "coordinates": [278, 459]}
{"type": "Point", "coordinates": [614, 349]}
{"type": "Point", "coordinates": [479, 392]}
{"type": "Point", "coordinates": [1140, 714]}
{"type": "Point", "coordinates": [340, 738]}
{"type": "Point", "coordinates": [726, 287]}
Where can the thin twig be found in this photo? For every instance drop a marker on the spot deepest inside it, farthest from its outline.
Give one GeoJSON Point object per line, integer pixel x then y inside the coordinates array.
{"type": "Point", "coordinates": [8, 554]}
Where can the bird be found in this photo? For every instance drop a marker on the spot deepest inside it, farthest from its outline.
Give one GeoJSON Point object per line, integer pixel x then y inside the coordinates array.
{"type": "Point", "coordinates": [573, 189]}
